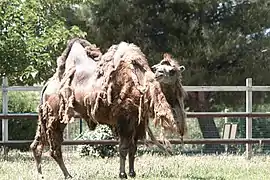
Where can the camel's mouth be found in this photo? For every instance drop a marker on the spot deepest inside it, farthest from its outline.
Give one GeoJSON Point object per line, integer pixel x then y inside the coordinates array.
{"type": "Point", "coordinates": [161, 78]}
{"type": "Point", "coordinates": [159, 75]}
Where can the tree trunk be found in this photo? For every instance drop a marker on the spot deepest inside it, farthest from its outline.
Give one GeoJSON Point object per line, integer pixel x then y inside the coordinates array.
{"type": "Point", "coordinates": [209, 130]}
{"type": "Point", "coordinates": [199, 103]}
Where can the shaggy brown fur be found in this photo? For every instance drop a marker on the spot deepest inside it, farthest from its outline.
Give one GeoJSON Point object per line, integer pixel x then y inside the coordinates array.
{"type": "Point", "coordinates": [121, 92]}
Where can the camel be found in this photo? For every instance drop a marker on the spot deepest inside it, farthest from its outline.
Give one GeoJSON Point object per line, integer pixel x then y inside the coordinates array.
{"type": "Point", "coordinates": [117, 88]}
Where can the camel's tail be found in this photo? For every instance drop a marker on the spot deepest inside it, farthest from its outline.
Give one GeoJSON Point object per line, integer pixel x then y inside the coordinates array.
{"type": "Point", "coordinates": [43, 118]}
{"type": "Point", "coordinates": [155, 141]}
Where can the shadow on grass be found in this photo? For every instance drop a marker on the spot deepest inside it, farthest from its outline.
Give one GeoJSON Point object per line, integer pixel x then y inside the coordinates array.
{"type": "Point", "coordinates": [15, 157]}
{"type": "Point", "coordinates": [192, 176]}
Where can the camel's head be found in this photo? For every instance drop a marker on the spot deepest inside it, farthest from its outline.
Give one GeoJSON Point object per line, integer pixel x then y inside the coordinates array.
{"type": "Point", "coordinates": [167, 71]}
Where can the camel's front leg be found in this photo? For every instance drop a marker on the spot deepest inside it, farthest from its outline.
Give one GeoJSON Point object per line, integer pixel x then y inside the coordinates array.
{"type": "Point", "coordinates": [125, 129]}
{"type": "Point", "coordinates": [123, 150]}
{"type": "Point", "coordinates": [131, 158]}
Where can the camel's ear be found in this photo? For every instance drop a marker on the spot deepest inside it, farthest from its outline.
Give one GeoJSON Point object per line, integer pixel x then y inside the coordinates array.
{"type": "Point", "coordinates": [182, 68]}
{"type": "Point", "coordinates": [167, 56]}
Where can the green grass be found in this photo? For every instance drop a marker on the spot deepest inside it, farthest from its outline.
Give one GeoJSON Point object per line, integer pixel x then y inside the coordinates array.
{"type": "Point", "coordinates": [21, 167]}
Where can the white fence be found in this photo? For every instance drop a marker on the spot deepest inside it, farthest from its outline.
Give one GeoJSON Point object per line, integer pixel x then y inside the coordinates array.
{"type": "Point", "coordinates": [248, 114]}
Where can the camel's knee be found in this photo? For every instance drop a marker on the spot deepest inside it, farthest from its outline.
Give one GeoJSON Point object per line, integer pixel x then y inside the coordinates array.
{"type": "Point", "coordinates": [36, 144]}
{"type": "Point", "coordinates": [91, 125]}
{"type": "Point", "coordinates": [55, 139]}
{"type": "Point", "coordinates": [56, 153]}
{"type": "Point", "coordinates": [33, 145]}
{"type": "Point", "coordinates": [37, 151]}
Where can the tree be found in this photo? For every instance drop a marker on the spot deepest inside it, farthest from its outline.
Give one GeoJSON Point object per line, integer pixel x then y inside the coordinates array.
{"type": "Point", "coordinates": [219, 41]}
{"type": "Point", "coordinates": [32, 34]}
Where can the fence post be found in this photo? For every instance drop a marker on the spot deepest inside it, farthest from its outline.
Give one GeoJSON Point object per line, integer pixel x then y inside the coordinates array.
{"type": "Point", "coordinates": [5, 111]}
{"type": "Point", "coordinates": [81, 129]}
{"type": "Point", "coordinates": [249, 119]}
{"type": "Point", "coordinates": [68, 132]}
{"type": "Point", "coordinates": [226, 121]}
{"type": "Point", "coordinates": [226, 118]}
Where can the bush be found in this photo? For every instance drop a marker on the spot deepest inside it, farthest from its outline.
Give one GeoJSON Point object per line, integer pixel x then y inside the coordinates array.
{"type": "Point", "coordinates": [102, 132]}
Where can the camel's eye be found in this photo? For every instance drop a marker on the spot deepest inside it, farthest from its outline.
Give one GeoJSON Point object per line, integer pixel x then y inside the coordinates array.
{"type": "Point", "coordinates": [172, 72]}
{"type": "Point", "coordinates": [165, 63]}
{"type": "Point", "coordinates": [182, 68]}
{"type": "Point", "coordinates": [154, 68]}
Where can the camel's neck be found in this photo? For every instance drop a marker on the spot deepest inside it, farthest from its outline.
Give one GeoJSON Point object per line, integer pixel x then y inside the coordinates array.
{"type": "Point", "coordinates": [170, 93]}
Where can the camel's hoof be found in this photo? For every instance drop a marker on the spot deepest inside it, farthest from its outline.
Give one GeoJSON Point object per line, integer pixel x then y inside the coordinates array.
{"type": "Point", "coordinates": [92, 125]}
{"type": "Point", "coordinates": [68, 177]}
{"type": "Point", "coordinates": [123, 175]}
{"type": "Point", "coordinates": [132, 174]}
{"type": "Point", "coordinates": [40, 176]}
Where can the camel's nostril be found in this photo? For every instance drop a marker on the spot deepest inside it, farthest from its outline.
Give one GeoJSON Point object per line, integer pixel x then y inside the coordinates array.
{"type": "Point", "coordinates": [154, 68]}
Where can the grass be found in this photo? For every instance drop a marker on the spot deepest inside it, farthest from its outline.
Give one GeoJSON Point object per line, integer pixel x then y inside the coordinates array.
{"type": "Point", "coordinates": [20, 166]}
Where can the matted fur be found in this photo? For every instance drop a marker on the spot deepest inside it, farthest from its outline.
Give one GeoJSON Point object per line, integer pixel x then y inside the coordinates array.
{"type": "Point", "coordinates": [64, 69]}
{"type": "Point", "coordinates": [128, 86]}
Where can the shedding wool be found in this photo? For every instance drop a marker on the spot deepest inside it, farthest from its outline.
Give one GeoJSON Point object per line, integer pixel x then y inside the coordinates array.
{"type": "Point", "coordinates": [127, 87]}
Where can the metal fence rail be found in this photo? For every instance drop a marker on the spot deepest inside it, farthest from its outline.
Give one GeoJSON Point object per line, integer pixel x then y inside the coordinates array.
{"type": "Point", "coordinates": [172, 141]}
{"type": "Point", "coordinates": [189, 115]}
{"type": "Point", "coordinates": [248, 89]}
{"type": "Point", "coordinates": [187, 88]}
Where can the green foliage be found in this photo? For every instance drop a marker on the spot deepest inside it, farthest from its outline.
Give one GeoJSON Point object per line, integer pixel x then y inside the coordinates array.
{"type": "Point", "coordinates": [21, 129]}
{"type": "Point", "coordinates": [102, 132]}
{"type": "Point", "coordinates": [32, 35]}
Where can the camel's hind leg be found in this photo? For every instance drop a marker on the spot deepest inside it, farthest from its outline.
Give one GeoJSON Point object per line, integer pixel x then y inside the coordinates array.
{"type": "Point", "coordinates": [55, 139]}
{"type": "Point", "coordinates": [139, 134]}
{"type": "Point", "coordinates": [37, 152]}
{"type": "Point", "coordinates": [123, 151]}
{"type": "Point", "coordinates": [37, 147]}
